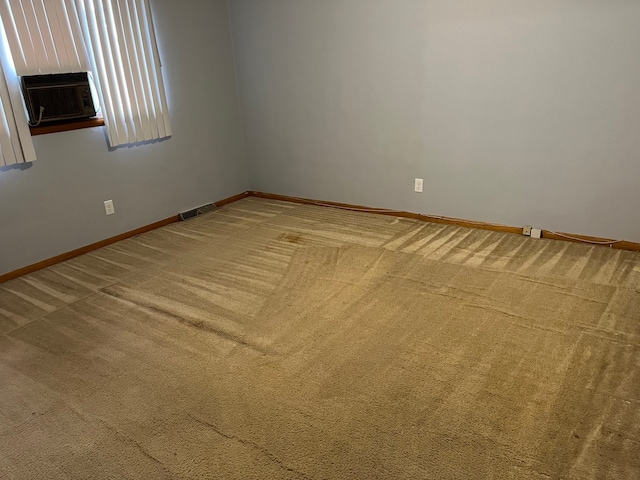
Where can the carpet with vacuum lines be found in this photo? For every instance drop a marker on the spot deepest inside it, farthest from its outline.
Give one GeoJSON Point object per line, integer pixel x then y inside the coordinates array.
{"type": "Point", "coordinates": [270, 340]}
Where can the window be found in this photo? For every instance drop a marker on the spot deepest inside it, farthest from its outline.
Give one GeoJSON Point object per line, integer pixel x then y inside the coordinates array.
{"type": "Point", "coordinates": [113, 39]}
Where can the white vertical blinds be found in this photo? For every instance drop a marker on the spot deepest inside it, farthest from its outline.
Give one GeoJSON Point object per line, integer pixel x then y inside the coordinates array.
{"type": "Point", "coordinates": [124, 56]}
{"type": "Point", "coordinates": [16, 145]}
{"type": "Point", "coordinates": [114, 39]}
{"type": "Point", "coordinates": [44, 36]}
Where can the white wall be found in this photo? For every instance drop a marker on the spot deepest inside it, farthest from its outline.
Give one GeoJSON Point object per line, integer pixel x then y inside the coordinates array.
{"type": "Point", "coordinates": [513, 111]}
{"type": "Point", "coordinates": [56, 204]}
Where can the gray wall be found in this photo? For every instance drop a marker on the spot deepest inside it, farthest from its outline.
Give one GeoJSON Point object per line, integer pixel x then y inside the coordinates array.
{"type": "Point", "coordinates": [513, 111]}
{"type": "Point", "coordinates": [56, 204]}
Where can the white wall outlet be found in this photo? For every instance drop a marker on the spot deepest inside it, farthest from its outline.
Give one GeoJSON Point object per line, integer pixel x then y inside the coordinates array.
{"type": "Point", "coordinates": [526, 230]}
{"type": "Point", "coordinates": [418, 185]}
{"type": "Point", "coordinates": [536, 233]}
{"type": "Point", "coordinates": [109, 208]}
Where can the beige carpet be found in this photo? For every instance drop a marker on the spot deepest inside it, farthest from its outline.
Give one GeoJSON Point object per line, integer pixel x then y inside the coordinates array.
{"type": "Point", "coordinates": [269, 340]}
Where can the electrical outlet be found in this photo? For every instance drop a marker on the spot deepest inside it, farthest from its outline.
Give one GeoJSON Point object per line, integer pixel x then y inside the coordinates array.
{"type": "Point", "coordinates": [526, 230]}
{"type": "Point", "coordinates": [536, 233]}
{"type": "Point", "coordinates": [418, 185]}
{"type": "Point", "coordinates": [109, 208]}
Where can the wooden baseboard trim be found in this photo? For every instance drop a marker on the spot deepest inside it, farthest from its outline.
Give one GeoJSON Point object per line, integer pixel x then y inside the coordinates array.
{"type": "Point", "coordinates": [86, 249]}
{"type": "Point", "coordinates": [606, 242]}
{"type": "Point", "coordinates": [103, 243]}
{"type": "Point", "coordinates": [621, 245]}
{"type": "Point", "coordinates": [235, 198]}
{"type": "Point", "coordinates": [567, 237]}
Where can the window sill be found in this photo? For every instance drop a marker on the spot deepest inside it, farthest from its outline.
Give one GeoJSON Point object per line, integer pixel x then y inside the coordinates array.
{"type": "Point", "coordinates": [66, 126]}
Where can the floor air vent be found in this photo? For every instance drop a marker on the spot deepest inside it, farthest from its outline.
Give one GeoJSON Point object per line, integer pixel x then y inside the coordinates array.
{"type": "Point", "coordinates": [198, 211]}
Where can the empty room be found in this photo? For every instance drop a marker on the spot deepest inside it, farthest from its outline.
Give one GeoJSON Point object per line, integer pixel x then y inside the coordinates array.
{"type": "Point", "coordinates": [320, 239]}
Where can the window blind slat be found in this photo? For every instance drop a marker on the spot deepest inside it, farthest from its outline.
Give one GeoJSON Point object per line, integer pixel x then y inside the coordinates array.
{"type": "Point", "coordinates": [61, 32]}
{"type": "Point", "coordinates": [22, 40]}
{"type": "Point", "coordinates": [124, 57]}
{"type": "Point", "coordinates": [11, 32]}
{"type": "Point", "coordinates": [16, 145]}
{"type": "Point", "coordinates": [145, 75]}
{"type": "Point", "coordinates": [127, 79]}
{"type": "Point", "coordinates": [162, 108]}
{"type": "Point", "coordinates": [149, 67]}
{"type": "Point", "coordinates": [55, 51]}
{"type": "Point", "coordinates": [101, 49]}
{"type": "Point", "coordinates": [120, 79]}
{"type": "Point", "coordinates": [7, 154]}
{"type": "Point", "coordinates": [75, 35]}
{"type": "Point", "coordinates": [43, 36]}
{"type": "Point", "coordinates": [143, 68]}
